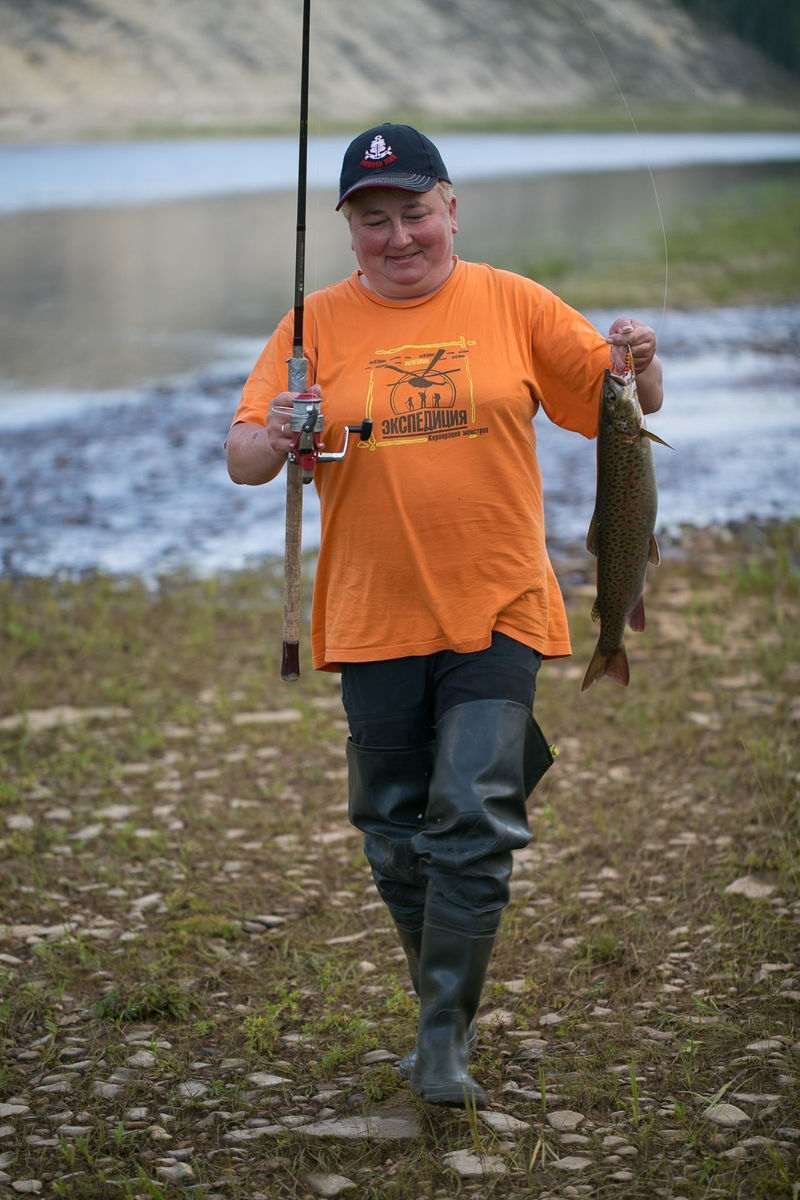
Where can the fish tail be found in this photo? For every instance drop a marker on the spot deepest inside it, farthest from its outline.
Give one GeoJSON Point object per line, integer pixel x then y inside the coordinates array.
{"type": "Point", "coordinates": [614, 665]}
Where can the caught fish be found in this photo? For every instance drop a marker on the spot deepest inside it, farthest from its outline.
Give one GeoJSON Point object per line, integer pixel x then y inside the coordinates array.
{"type": "Point", "coordinates": [621, 532]}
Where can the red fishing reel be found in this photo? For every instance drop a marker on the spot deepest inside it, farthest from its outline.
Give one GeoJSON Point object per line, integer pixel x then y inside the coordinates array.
{"type": "Point", "coordinates": [307, 423]}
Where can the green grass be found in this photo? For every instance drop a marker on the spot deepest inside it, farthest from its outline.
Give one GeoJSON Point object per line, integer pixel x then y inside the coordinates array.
{"type": "Point", "coordinates": [739, 247]}
{"type": "Point", "coordinates": [663, 794]}
{"type": "Point", "coordinates": [620, 114]}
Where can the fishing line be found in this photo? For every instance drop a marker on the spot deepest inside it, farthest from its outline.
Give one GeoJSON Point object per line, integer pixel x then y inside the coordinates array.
{"type": "Point", "coordinates": [648, 168]}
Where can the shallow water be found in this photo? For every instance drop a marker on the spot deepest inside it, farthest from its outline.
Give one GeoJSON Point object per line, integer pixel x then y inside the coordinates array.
{"type": "Point", "coordinates": [126, 333]}
{"type": "Point", "coordinates": [137, 482]}
{"type": "Point", "coordinates": [143, 172]}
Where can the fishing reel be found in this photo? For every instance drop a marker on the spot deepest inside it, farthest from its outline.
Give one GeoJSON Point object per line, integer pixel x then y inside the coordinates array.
{"type": "Point", "coordinates": [306, 424]}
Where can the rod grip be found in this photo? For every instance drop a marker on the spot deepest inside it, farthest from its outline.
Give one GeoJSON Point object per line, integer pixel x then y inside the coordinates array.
{"type": "Point", "coordinates": [290, 666]}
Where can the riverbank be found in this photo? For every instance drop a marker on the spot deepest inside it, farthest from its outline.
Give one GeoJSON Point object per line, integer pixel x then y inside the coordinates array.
{"type": "Point", "coordinates": [135, 482]}
{"type": "Point", "coordinates": [226, 65]}
{"type": "Point", "coordinates": [202, 995]}
{"type": "Point", "coordinates": [740, 246]}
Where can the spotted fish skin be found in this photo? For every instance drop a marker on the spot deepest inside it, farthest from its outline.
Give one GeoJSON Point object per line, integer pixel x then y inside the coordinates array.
{"type": "Point", "coordinates": [621, 532]}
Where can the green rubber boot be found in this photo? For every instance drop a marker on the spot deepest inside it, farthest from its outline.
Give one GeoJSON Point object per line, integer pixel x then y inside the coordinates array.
{"type": "Point", "coordinates": [388, 791]}
{"type": "Point", "coordinates": [489, 756]}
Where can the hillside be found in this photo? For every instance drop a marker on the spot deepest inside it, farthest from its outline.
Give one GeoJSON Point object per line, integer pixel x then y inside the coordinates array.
{"type": "Point", "coordinates": [87, 67]}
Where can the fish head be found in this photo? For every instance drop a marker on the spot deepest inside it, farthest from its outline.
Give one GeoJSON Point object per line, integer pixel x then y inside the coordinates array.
{"type": "Point", "coordinates": [621, 407]}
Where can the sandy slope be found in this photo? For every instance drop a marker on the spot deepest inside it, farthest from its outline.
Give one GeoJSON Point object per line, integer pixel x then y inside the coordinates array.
{"type": "Point", "coordinates": [78, 66]}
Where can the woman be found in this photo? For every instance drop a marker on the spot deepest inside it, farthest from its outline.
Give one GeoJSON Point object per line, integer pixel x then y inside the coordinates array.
{"type": "Point", "coordinates": [434, 595]}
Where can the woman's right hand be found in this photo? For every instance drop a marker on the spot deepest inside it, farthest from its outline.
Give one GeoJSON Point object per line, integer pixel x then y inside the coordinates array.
{"type": "Point", "coordinates": [279, 416]}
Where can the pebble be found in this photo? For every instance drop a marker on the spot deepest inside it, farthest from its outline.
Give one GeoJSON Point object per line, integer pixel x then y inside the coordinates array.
{"type": "Point", "coordinates": [143, 1058]}
{"type": "Point", "coordinates": [572, 1162]}
{"type": "Point", "coordinates": [565, 1120]}
{"type": "Point", "coordinates": [749, 887]}
{"type": "Point", "coordinates": [20, 822]}
{"type": "Point", "coordinates": [265, 1080]}
{"type": "Point", "coordinates": [192, 1090]}
{"type": "Point", "coordinates": [765, 1045]}
{"type": "Point", "coordinates": [380, 1129]}
{"type": "Point", "coordinates": [176, 1173]}
{"type": "Point", "coordinates": [503, 1123]}
{"type": "Point", "coordinates": [329, 1185]}
{"type": "Point", "coordinates": [727, 1115]}
{"type": "Point", "coordinates": [473, 1166]}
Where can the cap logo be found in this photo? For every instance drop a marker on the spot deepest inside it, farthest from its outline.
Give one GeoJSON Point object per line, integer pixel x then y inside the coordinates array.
{"type": "Point", "coordinates": [378, 154]}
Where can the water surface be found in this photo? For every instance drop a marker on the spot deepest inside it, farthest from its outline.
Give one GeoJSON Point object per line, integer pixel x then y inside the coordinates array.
{"type": "Point", "coordinates": [126, 331]}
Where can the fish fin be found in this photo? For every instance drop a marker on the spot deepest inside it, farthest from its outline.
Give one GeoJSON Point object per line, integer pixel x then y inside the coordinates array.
{"type": "Point", "coordinates": [617, 667]}
{"type": "Point", "coordinates": [596, 669]}
{"type": "Point", "coordinates": [591, 536]}
{"type": "Point", "coordinates": [636, 616]}
{"type": "Point", "coordinates": [655, 438]}
{"type": "Point", "coordinates": [595, 612]}
{"type": "Point", "coordinates": [655, 554]}
{"type": "Point", "coordinates": [614, 665]}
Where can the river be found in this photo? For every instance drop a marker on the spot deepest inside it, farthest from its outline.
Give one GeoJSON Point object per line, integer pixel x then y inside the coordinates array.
{"type": "Point", "coordinates": [140, 281]}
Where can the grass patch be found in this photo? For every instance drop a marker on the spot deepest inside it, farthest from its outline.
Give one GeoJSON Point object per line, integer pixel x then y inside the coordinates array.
{"type": "Point", "coordinates": [740, 247]}
{"type": "Point", "coordinates": [612, 117]}
{"type": "Point", "coordinates": [187, 913]}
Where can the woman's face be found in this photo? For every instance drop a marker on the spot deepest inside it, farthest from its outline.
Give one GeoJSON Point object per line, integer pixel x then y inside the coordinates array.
{"type": "Point", "coordinates": [403, 241]}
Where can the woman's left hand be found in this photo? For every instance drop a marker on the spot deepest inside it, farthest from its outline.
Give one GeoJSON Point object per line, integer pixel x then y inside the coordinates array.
{"type": "Point", "coordinates": [627, 332]}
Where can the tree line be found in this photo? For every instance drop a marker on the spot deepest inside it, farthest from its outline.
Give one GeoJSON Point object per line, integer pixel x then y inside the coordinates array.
{"type": "Point", "coordinates": [772, 25]}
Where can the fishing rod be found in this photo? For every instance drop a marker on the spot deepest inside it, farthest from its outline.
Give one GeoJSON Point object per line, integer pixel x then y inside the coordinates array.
{"type": "Point", "coordinates": [306, 422]}
{"type": "Point", "coordinates": [298, 382]}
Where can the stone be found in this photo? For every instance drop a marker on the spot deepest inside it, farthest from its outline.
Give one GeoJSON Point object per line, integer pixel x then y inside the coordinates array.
{"type": "Point", "coordinates": [63, 714]}
{"type": "Point", "coordinates": [503, 1123]}
{"type": "Point", "coordinates": [238, 1137]}
{"type": "Point", "coordinates": [473, 1166]}
{"type": "Point", "coordinates": [749, 887]}
{"type": "Point", "coordinates": [20, 822]}
{"type": "Point", "coordinates": [551, 1019]}
{"type": "Point", "coordinates": [328, 1185]}
{"type": "Point", "coordinates": [143, 1058]}
{"type": "Point", "coordinates": [727, 1115]}
{"type": "Point", "coordinates": [501, 1018]}
{"type": "Point", "coordinates": [192, 1090]}
{"type": "Point", "coordinates": [176, 1173]}
{"type": "Point", "coordinates": [373, 1128]}
{"type": "Point", "coordinates": [280, 716]}
{"type": "Point", "coordinates": [572, 1162]}
{"type": "Point", "coordinates": [264, 1080]}
{"type": "Point", "coordinates": [27, 1187]}
{"type": "Point", "coordinates": [378, 1056]}
{"type": "Point", "coordinates": [565, 1120]}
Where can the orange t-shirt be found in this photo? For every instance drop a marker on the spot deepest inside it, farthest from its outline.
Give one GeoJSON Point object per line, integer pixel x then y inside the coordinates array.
{"type": "Point", "coordinates": [432, 533]}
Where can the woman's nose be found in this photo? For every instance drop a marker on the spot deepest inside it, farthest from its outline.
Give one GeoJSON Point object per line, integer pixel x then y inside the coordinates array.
{"type": "Point", "coordinates": [400, 236]}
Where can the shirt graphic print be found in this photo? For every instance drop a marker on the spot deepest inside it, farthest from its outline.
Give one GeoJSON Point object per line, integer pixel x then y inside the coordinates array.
{"type": "Point", "coordinates": [422, 393]}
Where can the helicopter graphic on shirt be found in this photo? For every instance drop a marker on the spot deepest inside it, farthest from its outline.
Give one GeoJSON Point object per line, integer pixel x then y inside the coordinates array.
{"type": "Point", "coordinates": [416, 391]}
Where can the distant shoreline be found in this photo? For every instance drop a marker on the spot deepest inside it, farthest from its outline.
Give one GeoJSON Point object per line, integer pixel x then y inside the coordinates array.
{"type": "Point", "coordinates": [757, 117]}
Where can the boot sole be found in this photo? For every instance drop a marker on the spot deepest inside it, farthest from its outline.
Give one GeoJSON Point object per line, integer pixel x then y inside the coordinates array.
{"type": "Point", "coordinates": [466, 1096]}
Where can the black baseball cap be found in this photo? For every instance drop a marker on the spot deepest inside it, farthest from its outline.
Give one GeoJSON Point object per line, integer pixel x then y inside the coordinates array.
{"type": "Point", "coordinates": [390, 156]}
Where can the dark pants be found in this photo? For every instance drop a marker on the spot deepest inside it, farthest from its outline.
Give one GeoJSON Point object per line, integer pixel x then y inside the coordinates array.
{"type": "Point", "coordinates": [398, 702]}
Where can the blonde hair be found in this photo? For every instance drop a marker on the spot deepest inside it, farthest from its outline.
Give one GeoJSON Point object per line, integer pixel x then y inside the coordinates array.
{"type": "Point", "coordinates": [444, 189]}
